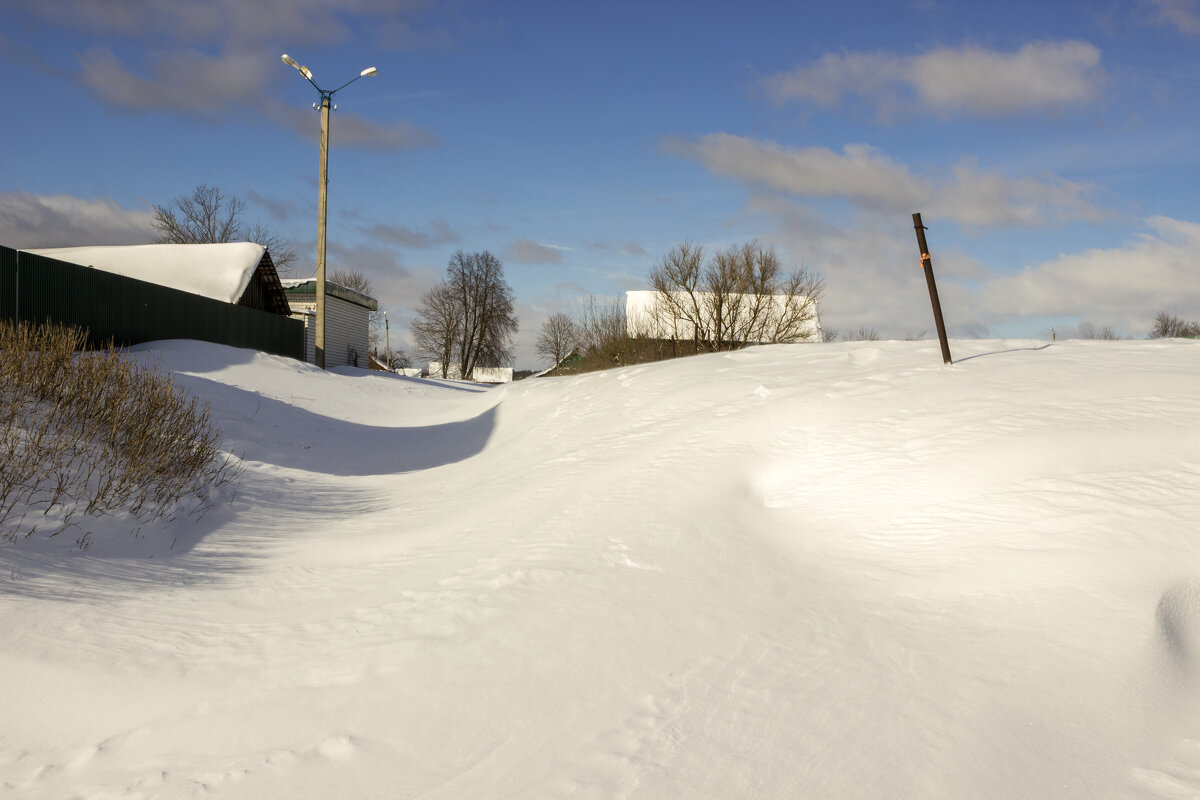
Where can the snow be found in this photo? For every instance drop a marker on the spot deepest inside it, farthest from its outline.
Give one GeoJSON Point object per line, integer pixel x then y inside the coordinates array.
{"type": "Point", "coordinates": [799, 571]}
{"type": "Point", "coordinates": [217, 271]}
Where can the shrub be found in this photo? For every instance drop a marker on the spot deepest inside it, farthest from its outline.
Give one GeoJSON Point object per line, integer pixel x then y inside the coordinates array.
{"type": "Point", "coordinates": [1169, 326]}
{"type": "Point", "coordinates": [96, 432]}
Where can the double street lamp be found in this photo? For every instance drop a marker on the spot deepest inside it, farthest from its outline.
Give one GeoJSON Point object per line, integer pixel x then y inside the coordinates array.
{"type": "Point", "coordinates": [326, 105]}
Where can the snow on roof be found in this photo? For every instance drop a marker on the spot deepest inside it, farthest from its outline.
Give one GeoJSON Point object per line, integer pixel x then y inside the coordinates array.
{"type": "Point", "coordinates": [219, 271]}
{"type": "Point", "coordinates": [309, 286]}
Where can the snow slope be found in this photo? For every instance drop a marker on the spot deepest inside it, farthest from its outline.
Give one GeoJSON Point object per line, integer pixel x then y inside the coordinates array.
{"type": "Point", "coordinates": [806, 571]}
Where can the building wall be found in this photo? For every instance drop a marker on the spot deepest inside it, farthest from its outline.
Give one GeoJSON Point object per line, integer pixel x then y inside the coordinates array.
{"type": "Point", "coordinates": [126, 311]}
{"type": "Point", "coordinates": [309, 318]}
{"type": "Point", "coordinates": [492, 374]}
{"type": "Point", "coordinates": [345, 330]}
{"type": "Point", "coordinates": [453, 371]}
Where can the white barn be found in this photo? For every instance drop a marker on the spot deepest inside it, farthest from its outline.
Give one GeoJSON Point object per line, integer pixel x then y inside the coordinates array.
{"type": "Point", "coordinates": [347, 321]}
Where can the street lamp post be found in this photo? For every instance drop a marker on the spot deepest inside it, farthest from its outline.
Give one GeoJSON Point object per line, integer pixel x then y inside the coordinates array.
{"type": "Point", "coordinates": [326, 105]}
{"type": "Point", "coordinates": [387, 334]}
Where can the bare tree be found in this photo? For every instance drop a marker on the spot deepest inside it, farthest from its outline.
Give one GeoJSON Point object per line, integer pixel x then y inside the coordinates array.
{"type": "Point", "coordinates": [436, 328]}
{"type": "Point", "coordinates": [486, 307]}
{"type": "Point", "coordinates": [469, 315]}
{"type": "Point", "coordinates": [398, 359]}
{"type": "Point", "coordinates": [352, 279]}
{"type": "Point", "coordinates": [1169, 326]}
{"type": "Point", "coordinates": [603, 330]}
{"type": "Point", "coordinates": [557, 338]}
{"type": "Point", "coordinates": [863, 335]}
{"type": "Point", "coordinates": [678, 304]}
{"type": "Point", "coordinates": [209, 217]}
{"type": "Point", "coordinates": [740, 296]}
{"type": "Point", "coordinates": [1090, 331]}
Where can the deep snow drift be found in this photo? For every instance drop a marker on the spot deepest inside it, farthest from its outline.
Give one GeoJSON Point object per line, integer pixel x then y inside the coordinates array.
{"type": "Point", "coordinates": [809, 571]}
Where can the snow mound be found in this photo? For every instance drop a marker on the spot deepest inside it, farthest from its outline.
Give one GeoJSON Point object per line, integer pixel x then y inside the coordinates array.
{"type": "Point", "coordinates": [795, 571]}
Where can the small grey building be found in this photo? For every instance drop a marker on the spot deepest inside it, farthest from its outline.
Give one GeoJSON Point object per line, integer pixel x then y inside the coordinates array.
{"type": "Point", "coordinates": [347, 323]}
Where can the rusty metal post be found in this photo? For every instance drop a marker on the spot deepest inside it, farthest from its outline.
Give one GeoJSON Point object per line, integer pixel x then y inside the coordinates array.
{"type": "Point", "coordinates": [927, 265]}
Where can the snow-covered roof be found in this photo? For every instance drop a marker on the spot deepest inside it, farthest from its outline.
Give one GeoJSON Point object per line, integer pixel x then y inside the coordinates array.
{"type": "Point", "coordinates": [218, 271]}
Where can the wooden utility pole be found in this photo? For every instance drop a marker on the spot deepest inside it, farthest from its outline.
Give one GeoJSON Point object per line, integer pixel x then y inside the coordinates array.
{"type": "Point", "coordinates": [927, 265]}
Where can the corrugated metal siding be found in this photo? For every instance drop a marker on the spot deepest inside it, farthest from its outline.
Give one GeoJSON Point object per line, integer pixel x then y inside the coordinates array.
{"type": "Point", "coordinates": [127, 311]}
{"type": "Point", "coordinates": [8, 284]}
{"type": "Point", "coordinates": [309, 320]}
{"type": "Point", "coordinates": [345, 329]}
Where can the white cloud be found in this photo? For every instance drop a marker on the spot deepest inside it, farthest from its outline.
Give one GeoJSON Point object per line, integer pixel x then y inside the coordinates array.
{"type": "Point", "coordinates": [32, 221]}
{"type": "Point", "coordinates": [1043, 75]}
{"type": "Point", "coordinates": [230, 85]}
{"type": "Point", "coordinates": [870, 180]}
{"type": "Point", "coordinates": [527, 251]}
{"type": "Point", "coordinates": [1182, 14]}
{"type": "Point", "coordinates": [350, 130]}
{"type": "Point", "coordinates": [1156, 270]}
{"type": "Point", "coordinates": [967, 80]}
{"type": "Point", "coordinates": [309, 21]}
{"type": "Point", "coordinates": [438, 233]}
{"type": "Point", "coordinates": [987, 199]}
{"type": "Point", "coordinates": [219, 59]}
{"type": "Point", "coordinates": [624, 248]}
{"type": "Point", "coordinates": [186, 81]}
{"type": "Point", "coordinates": [872, 274]}
{"type": "Point", "coordinates": [860, 173]}
{"type": "Point", "coordinates": [280, 209]}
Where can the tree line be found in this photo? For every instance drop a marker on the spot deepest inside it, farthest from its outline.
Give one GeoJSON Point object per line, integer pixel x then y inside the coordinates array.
{"type": "Point", "coordinates": [734, 297]}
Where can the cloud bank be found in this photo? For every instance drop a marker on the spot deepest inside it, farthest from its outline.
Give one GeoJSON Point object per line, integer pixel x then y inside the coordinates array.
{"type": "Point", "coordinates": [527, 251]}
{"type": "Point", "coordinates": [870, 180]}
{"type": "Point", "coordinates": [219, 59]}
{"type": "Point", "coordinates": [30, 221]}
{"type": "Point", "coordinates": [967, 81]}
{"type": "Point", "coordinates": [1155, 271]}
{"type": "Point", "coordinates": [1183, 15]}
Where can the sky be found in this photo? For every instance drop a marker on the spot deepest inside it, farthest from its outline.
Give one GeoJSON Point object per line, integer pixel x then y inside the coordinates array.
{"type": "Point", "coordinates": [1050, 147]}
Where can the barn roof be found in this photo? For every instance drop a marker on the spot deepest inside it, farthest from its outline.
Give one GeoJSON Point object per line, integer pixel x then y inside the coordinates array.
{"type": "Point", "coordinates": [219, 271]}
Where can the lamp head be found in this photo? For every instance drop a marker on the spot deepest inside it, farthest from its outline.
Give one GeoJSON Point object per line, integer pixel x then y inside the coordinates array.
{"type": "Point", "coordinates": [368, 72]}
{"type": "Point", "coordinates": [291, 62]}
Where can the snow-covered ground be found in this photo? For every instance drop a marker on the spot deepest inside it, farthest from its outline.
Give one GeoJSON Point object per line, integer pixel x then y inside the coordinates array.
{"type": "Point", "coordinates": [807, 571]}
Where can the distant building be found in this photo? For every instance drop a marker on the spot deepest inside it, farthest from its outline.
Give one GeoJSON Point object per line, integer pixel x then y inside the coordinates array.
{"type": "Point", "coordinates": [453, 371]}
{"type": "Point", "coordinates": [492, 374]}
{"type": "Point", "coordinates": [478, 375]}
{"type": "Point", "coordinates": [347, 321]}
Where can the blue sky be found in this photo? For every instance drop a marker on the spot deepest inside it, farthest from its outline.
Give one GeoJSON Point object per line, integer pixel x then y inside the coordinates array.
{"type": "Point", "coordinates": [1051, 147]}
